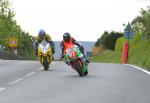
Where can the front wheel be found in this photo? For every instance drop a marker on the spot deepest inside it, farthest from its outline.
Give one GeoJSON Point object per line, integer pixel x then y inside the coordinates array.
{"type": "Point", "coordinates": [46, 67]}
{"type": "Point", "coordinates": [78, 65]}
{"type": "Point", "coordinates": [86, 72]}
{"type": "Point", "coordinates": [46, 64]}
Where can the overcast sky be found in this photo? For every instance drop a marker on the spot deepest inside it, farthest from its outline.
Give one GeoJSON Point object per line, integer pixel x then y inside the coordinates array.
{"type": "Point", "coordinates": [86, 20]}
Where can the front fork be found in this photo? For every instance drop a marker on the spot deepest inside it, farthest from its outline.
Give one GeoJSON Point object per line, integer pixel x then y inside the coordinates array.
{"type": "Point", "coordinates": [48, 59]}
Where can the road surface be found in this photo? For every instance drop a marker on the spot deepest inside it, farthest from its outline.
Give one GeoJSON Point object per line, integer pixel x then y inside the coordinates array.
{"type": "Point", "coordinates": [27, 82]}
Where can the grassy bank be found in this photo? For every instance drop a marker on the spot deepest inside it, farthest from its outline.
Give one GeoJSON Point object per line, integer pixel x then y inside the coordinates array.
{"type": "Point", "coordinates": [139, 52]}
{"type": "Point", "coordinates": [107, 56]}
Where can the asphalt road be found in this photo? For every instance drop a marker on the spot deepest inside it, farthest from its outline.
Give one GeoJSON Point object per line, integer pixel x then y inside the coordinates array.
{"type": "Point", "coordinates": [27, 82]}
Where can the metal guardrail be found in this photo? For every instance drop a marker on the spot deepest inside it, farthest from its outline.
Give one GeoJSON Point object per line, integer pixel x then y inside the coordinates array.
{"type": "Point", "coordinates": [9, 56]}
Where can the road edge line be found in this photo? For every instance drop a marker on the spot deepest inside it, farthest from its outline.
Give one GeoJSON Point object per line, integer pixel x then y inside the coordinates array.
{"type": "Point", "coordinates": [145, 71]}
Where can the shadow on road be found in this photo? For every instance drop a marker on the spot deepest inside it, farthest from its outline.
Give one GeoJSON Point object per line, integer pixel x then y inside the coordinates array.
{"type": "Point", "coordinates": [77, 76]}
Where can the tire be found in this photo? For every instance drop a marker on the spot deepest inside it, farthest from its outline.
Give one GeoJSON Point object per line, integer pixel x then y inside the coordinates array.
{"type": "Point", "coordinates": [79, 68]}
{"type": "Point", "coordinates": [46, 66]}
{"type": "Point", "coordinates": [86, 72]}
{"type": "Point", "coordinates": [85, 69]}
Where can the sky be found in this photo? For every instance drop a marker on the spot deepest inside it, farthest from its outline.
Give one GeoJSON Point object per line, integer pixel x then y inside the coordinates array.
{"type": "Point", "coordinates": [85, 20]}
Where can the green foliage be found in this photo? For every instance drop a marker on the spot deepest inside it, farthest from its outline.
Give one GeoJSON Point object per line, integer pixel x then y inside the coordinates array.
{"type": "Point", "coordinates": [139, 53]}
{"type": "Point", "coordinates": [132, 42]}
{"type": "Point", "coordinates": [119, 44]}
{"type": "Point", "coordinates": [101, 40]}
{"type": "Point", "coordinates": [108, 56]}
{"type": "Point", "coordinates": [10, 29]}
{"type": "Point", "coordinates": [141, 24]}
{"type": "Point", "coordinates": [139, 49]}
{"type": "Point", "coordinates": [108, 40]}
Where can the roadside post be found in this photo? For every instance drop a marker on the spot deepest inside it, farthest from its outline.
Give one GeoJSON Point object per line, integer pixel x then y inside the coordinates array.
{"type": "Point", "coordinates": [128, 34]}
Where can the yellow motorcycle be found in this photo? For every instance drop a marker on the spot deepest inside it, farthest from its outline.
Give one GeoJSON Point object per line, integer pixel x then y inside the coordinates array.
{"type": "Point", "coordinates": [45, 54]}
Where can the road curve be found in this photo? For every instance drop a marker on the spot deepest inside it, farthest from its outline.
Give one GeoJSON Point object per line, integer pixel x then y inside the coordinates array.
{"type": "Point", "coordinates": [26, 82]}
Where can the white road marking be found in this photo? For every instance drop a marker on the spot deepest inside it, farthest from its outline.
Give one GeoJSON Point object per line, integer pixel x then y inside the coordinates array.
{"type": "Point", "coordinates": [16, 81]}
{"type": "Point", "coordinates": [2, 89]}
{"type": "Point", "coordinates": [30, 74]}
{"type": "Point", "coordinates": [147, 72]}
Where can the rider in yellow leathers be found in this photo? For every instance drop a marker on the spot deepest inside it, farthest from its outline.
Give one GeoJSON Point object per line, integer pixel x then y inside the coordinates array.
{"type": "Point", "coordinates": [43, 36]}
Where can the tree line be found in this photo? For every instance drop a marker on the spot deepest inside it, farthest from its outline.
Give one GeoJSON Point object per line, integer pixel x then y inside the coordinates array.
{"type": "Point", "coordinates": [140, 26]}
{"type": "Point", "coordinates": [10, 29]}
{"type": "Point", "coordinates": [108, 40]}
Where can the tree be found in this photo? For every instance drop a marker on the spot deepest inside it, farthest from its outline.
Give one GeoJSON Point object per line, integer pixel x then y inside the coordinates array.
{"type": "Point", "coordinates": [101, 41]}
{"type": "Point", "coordinates": [141, 24]}
{"type": "Point", "coordinates": [108, 40]}
{"type": "Point", "coordinates": [6, 20]}
{"type": "Point", "coordinates": [10, 29]}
